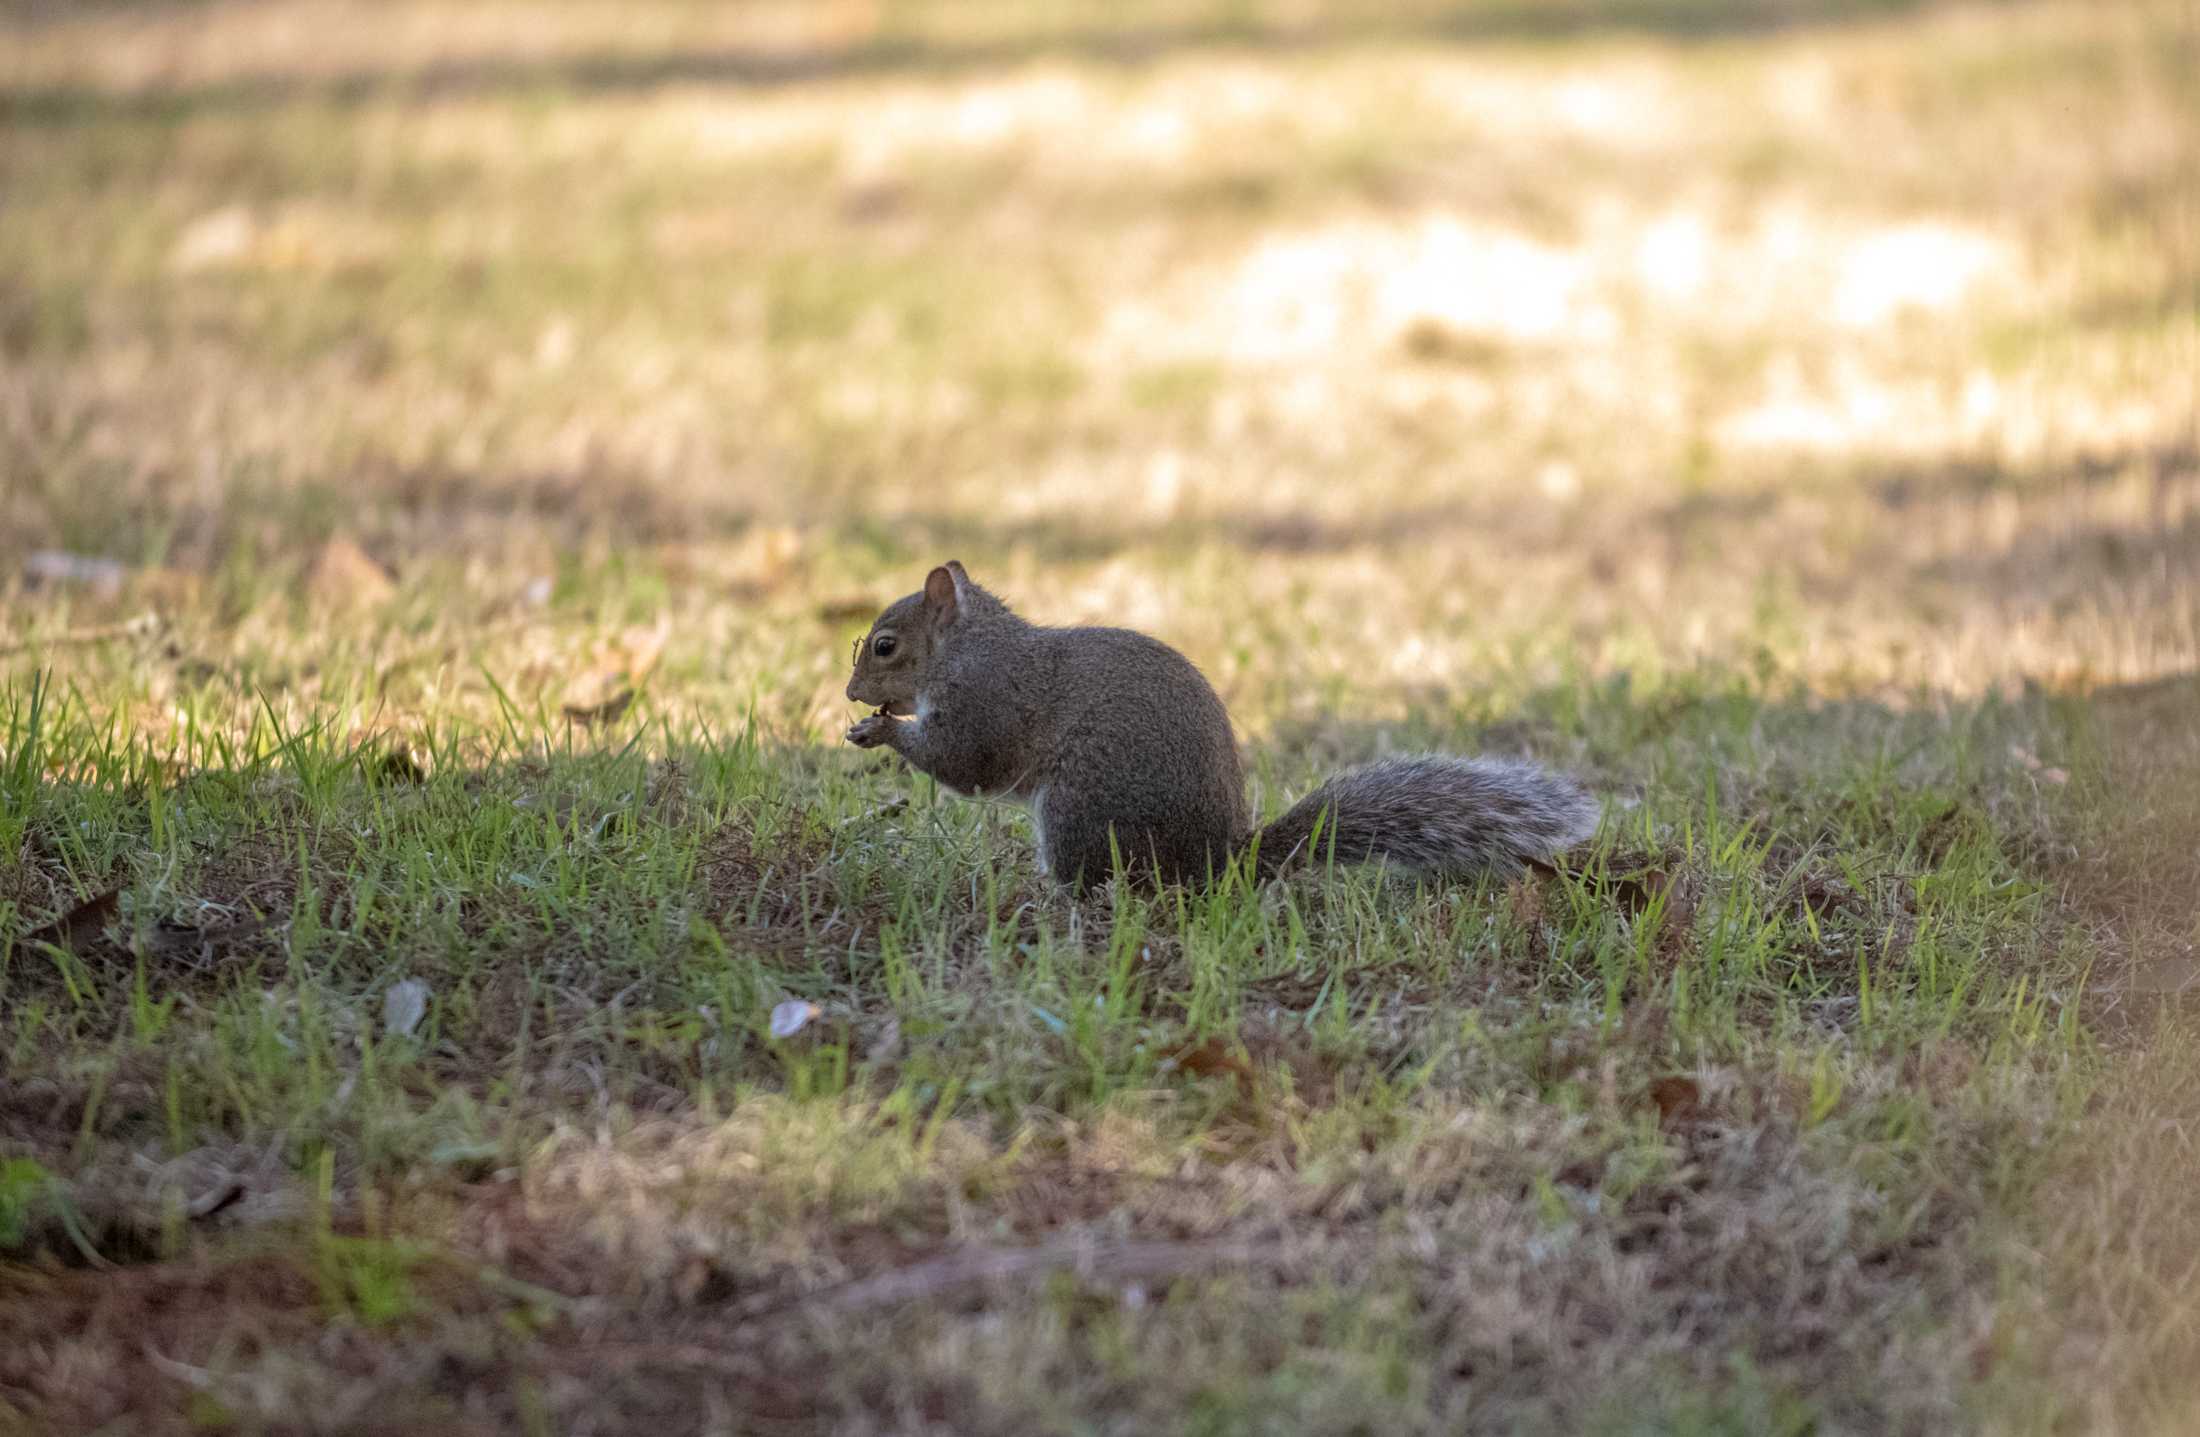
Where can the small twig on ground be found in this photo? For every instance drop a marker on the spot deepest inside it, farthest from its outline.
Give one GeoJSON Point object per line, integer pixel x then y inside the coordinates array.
{"type": "Point", "coordinates": [144, 625]}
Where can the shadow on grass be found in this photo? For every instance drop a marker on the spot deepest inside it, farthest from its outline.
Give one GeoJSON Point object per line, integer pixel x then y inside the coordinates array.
{"type": "Point", "coordinates": [803, 887]}
{"type": "Point", "coordinates": [426, 513]}
{"type": "Point", "coordinates": [1084, 41]}
{"type": "Point", "coordinates": [1531, 524]}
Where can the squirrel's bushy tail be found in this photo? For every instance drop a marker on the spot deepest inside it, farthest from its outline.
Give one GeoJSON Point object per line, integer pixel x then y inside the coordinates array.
{"type": "Point", "coordinates": [1448, 817]}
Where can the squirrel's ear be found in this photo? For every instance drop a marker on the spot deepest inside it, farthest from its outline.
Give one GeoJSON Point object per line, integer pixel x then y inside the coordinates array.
{"type": "Point", "coordinates": [941, 590]}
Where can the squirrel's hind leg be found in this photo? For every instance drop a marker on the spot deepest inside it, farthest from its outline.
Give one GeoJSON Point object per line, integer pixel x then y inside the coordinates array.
{"type": "Point", "coordinates": [1073, 837]}
{"type": "Point", "coordinates": [1079, 843]}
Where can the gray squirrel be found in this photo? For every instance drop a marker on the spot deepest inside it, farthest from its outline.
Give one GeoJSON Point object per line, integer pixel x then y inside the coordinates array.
{"type": "Point", "coordinates": [1108, 734]}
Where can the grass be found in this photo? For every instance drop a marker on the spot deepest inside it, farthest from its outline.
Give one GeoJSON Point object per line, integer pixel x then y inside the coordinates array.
{"type": "Point", "coordinates": [440, 477]}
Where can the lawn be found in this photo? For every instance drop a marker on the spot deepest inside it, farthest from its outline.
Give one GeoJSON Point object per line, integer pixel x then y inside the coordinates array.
{"type": "Point", "coordinates": [447, 451]}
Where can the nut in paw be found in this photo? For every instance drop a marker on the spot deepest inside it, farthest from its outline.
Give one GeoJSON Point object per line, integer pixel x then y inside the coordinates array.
{"type": "Point", "coordinates": [872, 732]}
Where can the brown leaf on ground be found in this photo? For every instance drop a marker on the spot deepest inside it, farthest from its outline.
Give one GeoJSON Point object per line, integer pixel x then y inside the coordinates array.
{"type": "Point", "coordinates": [82, 925]}
{"type": "Point", "coordinates": [1638, 891]}
{"type": "Point", "coordinates": [1826, 896]}
{"type": "Point", "coordinates": [639, 648]}
{"type": "Point", "coordinates": [606, 709]}
{"type": "Point", "coordinates": [616, 672]}
{"type": "Point", "coordinates": [765, 555]}
{"type": "Point", "coordinates": [1209, 1059]}
{"type": "Point", "coordinates": [1678, 1099]}
{"type": "Point", "coordinates": [345, 576]}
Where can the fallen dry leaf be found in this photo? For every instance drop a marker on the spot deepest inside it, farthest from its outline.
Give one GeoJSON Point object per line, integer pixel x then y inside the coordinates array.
{"type": "Point", "coordinates": [1637, 892]}
{"type": "Point", "coordinates": [404, 1006]}
{"type": "Point", "coordinates": [639, 648]}
{"type": "Point", "coordinates": [345, 576]}
{"type": "Point", "coordinates": [1825, 897]}
{"type": "Point", "coordinates": [81, 925]}
{"type": "Point", "coordinates": [764, 555]}
{"type": "Point", "coordinates": [616, 671]}
{"type": "Point", "coordinates": [792, 1016]}
{"type": "Point", "coordinates": [603, 710]}
{"type": "Point", "coordinates": [1208, 1059]}
{"type": "Point", "coordinates": [1678, 1099]}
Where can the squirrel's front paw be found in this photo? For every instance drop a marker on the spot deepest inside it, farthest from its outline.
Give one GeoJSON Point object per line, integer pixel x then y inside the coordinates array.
{"type": "Point", "coordinates": [871, 732]}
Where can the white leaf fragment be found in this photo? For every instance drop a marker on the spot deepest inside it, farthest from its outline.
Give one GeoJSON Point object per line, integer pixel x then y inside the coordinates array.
{"type": "Point", "coordinates": [404, 1006]}
{"type": "Point", "coordinates": [791, 1017]}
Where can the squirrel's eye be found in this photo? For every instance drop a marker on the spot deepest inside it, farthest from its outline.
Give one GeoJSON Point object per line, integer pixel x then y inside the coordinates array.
{"type": "Point", "coordinates": [883, 646]}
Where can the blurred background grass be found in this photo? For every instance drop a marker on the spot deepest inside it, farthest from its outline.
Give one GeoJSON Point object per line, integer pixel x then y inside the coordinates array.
{"type": "Point", "coordinates": [1395, 344]}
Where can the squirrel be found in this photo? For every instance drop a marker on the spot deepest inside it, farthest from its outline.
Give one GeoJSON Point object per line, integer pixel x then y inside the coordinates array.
{"type": "Point", "coordinates": [1120, 746]}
